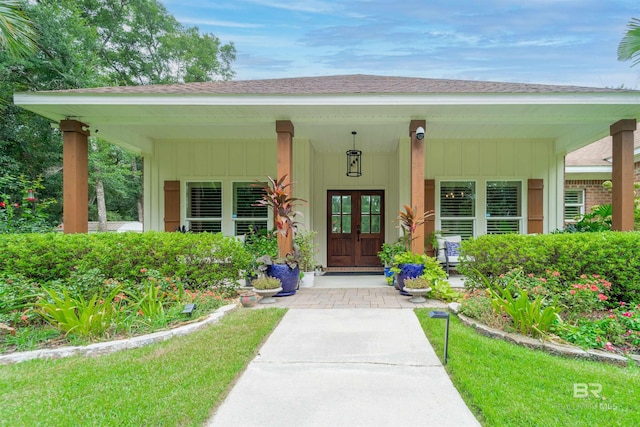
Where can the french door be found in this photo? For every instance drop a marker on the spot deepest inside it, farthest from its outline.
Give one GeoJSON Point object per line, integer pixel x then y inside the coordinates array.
{"type": "Point", "coordinates": [355, 222]}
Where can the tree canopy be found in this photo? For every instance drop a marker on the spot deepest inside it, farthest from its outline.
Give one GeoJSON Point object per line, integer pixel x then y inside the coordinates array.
{"type": "Point", "coordinates": [92, 43]}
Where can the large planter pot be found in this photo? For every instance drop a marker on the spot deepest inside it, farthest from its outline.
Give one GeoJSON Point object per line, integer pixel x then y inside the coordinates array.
{"type": "Point", "coordinates": [267, 295]}
{"type": "Point", "coordinates": [417, 294]}
{"type": "Point", "coordinates": [289, 278]}
{"type": "Point", "coordinates": [408, 271]}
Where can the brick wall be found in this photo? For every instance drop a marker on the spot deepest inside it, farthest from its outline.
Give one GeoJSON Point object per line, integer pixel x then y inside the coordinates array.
{"type": "Point", "coordinates": [594, 193]}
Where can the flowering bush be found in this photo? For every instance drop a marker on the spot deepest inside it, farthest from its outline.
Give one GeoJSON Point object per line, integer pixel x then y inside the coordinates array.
{"type": "Point", "coordinates": [586, 295]}
{"type": "Point", "coordinates": [617, 331]}
{"type": "Point", "coordinates": [20, 210]}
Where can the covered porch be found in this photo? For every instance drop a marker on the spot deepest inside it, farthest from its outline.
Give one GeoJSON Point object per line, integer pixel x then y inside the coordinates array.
{"type": "Point", "coordinates": [219, 136]}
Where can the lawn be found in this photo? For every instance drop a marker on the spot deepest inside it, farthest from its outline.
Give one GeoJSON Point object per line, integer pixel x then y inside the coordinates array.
{"type": "Point", "coordinates": [508, 385]}
{"type": "Point", "coordinates": [176, 382]}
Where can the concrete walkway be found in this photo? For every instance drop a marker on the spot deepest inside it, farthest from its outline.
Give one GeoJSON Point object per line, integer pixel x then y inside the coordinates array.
{"type": "Point", "coordinates": [344, 367]}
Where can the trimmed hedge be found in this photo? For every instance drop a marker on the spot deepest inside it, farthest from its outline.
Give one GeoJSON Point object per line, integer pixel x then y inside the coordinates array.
{"type": "Point", "coordinates": [200, 259]}
{"type": "Point", "coordinates": [613, 255]}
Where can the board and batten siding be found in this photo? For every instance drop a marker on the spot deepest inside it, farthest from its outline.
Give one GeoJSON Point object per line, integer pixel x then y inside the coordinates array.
{"type": "Point", "coordinates": [182, 161]}
{"type": "Point", "coordinates": [501, 160]}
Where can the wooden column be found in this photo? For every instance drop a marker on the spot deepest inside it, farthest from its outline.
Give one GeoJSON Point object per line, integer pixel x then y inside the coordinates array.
{"type": "Point", "coordinates": [417, 182]}
{"type": "Point", "coordinates": [284, 129]}
{"type": "Point", "coordinates": [623, 191]}
{"type": "Point", "coordinates": [75, 176]}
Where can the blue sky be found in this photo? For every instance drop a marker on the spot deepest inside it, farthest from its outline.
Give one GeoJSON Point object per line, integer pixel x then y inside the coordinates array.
{"type": "Point", "coordinates": [528, 41]}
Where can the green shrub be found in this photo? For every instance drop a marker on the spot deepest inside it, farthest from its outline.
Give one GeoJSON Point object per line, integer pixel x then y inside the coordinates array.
{"type": "Point", "coordinates": [610, 254]}
{"type": "Point", "coordinates": [201, 259]}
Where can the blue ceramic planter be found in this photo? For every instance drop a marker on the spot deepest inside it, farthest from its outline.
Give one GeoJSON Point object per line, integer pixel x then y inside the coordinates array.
{"type": "Point", "coordinates": [408, 271]}
{"type": "Point", "coordinates": [289, 278]}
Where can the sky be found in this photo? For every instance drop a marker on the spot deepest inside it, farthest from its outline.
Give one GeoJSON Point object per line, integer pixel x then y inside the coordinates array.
{"type": "Point", "coordinates": [566, 42]}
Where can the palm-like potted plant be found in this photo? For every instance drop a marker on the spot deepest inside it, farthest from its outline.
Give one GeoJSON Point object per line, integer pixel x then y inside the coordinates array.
{"type": "Point", "coordinates": [276, 196]}
{"type": "Point", "coordinates": [409, 264]}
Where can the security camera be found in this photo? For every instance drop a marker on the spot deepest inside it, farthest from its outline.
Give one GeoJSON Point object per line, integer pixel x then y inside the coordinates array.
{"type": "Point", "coordinates": [420, 133]}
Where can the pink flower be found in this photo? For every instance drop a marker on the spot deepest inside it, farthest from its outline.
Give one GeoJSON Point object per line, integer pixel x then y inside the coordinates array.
{"type": "Point", "coordinates": [609, 347]}
{"type": "Point", "coordinates": [612, 316]}
{"type": "Point", "coordinates": [572, 291]}
{"type": "Point", "coordinates": [627, 314]}
{"type": "Point", "coordinates": [594, 288]}
{"type": "Point", "coordinates": [3, 205]}
{"type": "Point", "coordinates": [143, 270]}
{"type": "Point", "coordinates": [530, 274]}
{"type": "Point", "coordinates": [556, 274]}
{"type": "Point", "coordinates": [17, 205]}
{"type": "Point", "coordinates": [583, 276]}
{"type": "Point", "coordinates": [602, 297]}
{"type": "Point", "coordinates": [622, 303]}
{"type": "Point", "coordinates": [542, 279]}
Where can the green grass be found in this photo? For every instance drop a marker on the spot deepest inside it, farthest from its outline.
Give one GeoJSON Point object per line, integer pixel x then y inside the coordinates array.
{"type": "Point", "coordinates": [509, 385]}
{"type": "Point", "coordinates": [176, 382]}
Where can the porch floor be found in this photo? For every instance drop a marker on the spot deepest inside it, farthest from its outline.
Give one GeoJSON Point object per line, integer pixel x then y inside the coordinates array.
{"type": "Point", "coordinates": [354, 291]}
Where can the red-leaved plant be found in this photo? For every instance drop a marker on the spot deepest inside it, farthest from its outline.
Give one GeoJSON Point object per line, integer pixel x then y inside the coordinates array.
{"type": "Point", "coordinates": [275, 195]}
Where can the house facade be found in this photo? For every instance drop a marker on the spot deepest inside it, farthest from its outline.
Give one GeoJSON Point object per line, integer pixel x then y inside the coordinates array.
{"type": "Point", "coordinates": [491, 159]}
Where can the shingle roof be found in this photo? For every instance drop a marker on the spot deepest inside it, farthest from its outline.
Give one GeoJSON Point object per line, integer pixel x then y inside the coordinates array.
{"type": "Point", "coordinates": [596, 154]}
{"type": "Point", "coordinates": [345, 84]}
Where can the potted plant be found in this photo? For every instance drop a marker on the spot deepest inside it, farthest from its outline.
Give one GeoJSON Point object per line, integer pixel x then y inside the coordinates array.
{"type": "Point", "coordinates": [386, 254]}
{"type": "Point", "coordinates": [409, 264]}
{"type": "Point", "coordinates": [417, 287]}
{"type": "Point", "coordinates": [267, 287]}
{"type": "Point", "coordinates": [258, 244]}
{"type": "Point", "coordinates": [275, 195]}
{"type": "Point", "coordinates": [432, 277]}
{"type": "Point", "coordinates": [306, 248]}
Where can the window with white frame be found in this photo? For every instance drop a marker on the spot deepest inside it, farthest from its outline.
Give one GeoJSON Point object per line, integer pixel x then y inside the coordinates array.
{"type": "Point", "coordinates": [458, 208]}
{"type": "Point", "coordinates": [503, 207]}
{"type": "Point", "coordinates": [246, 215]}
{"type": "Point", "coordinates": [204, 206]}
{"type": "Point", "coordinates": [573, 205]}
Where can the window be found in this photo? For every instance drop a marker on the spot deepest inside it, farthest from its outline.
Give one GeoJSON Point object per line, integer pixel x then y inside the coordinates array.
{"type": "Point", "coordinates": [341, 214]}
{"type": "Point", "coordinates": [245, 214]}
{"type": "Point", "coordinates": [458, 208]}
{"type": "Point", "coordinates": [573, 205]}
{"type": "Point", "coordinates": [370, 213]}
{"type": "Point", "coordinates": [204, 206]}
{"type": "Point", "coordinates": [504, 207]}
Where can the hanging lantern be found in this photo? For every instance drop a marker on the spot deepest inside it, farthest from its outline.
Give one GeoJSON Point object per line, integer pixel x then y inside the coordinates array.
{"type": "Point", "coordinates": [354, 159]}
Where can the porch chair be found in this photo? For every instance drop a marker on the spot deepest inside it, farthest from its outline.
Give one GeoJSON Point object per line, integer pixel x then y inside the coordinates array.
{"type": "Point", "coordinates": [449, 251]}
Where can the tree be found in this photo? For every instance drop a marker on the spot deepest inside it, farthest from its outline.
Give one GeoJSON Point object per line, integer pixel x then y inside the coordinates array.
{"type": "Point", "coordinates": [17, 33]}
{"type": "Point", "coordinates": [629, 47]}
{"type": "Point", "coordinates": [141, 43]}
{"type": "Point", "coordinates": [90, 43]}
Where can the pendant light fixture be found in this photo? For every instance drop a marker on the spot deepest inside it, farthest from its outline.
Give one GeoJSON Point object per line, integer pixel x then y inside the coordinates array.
{"type": "Point", "coordinates": [354, 159]}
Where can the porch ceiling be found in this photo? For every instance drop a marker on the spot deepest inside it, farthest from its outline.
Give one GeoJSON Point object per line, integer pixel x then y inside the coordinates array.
{"type": "Point", "coordinates": [135, 122]}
